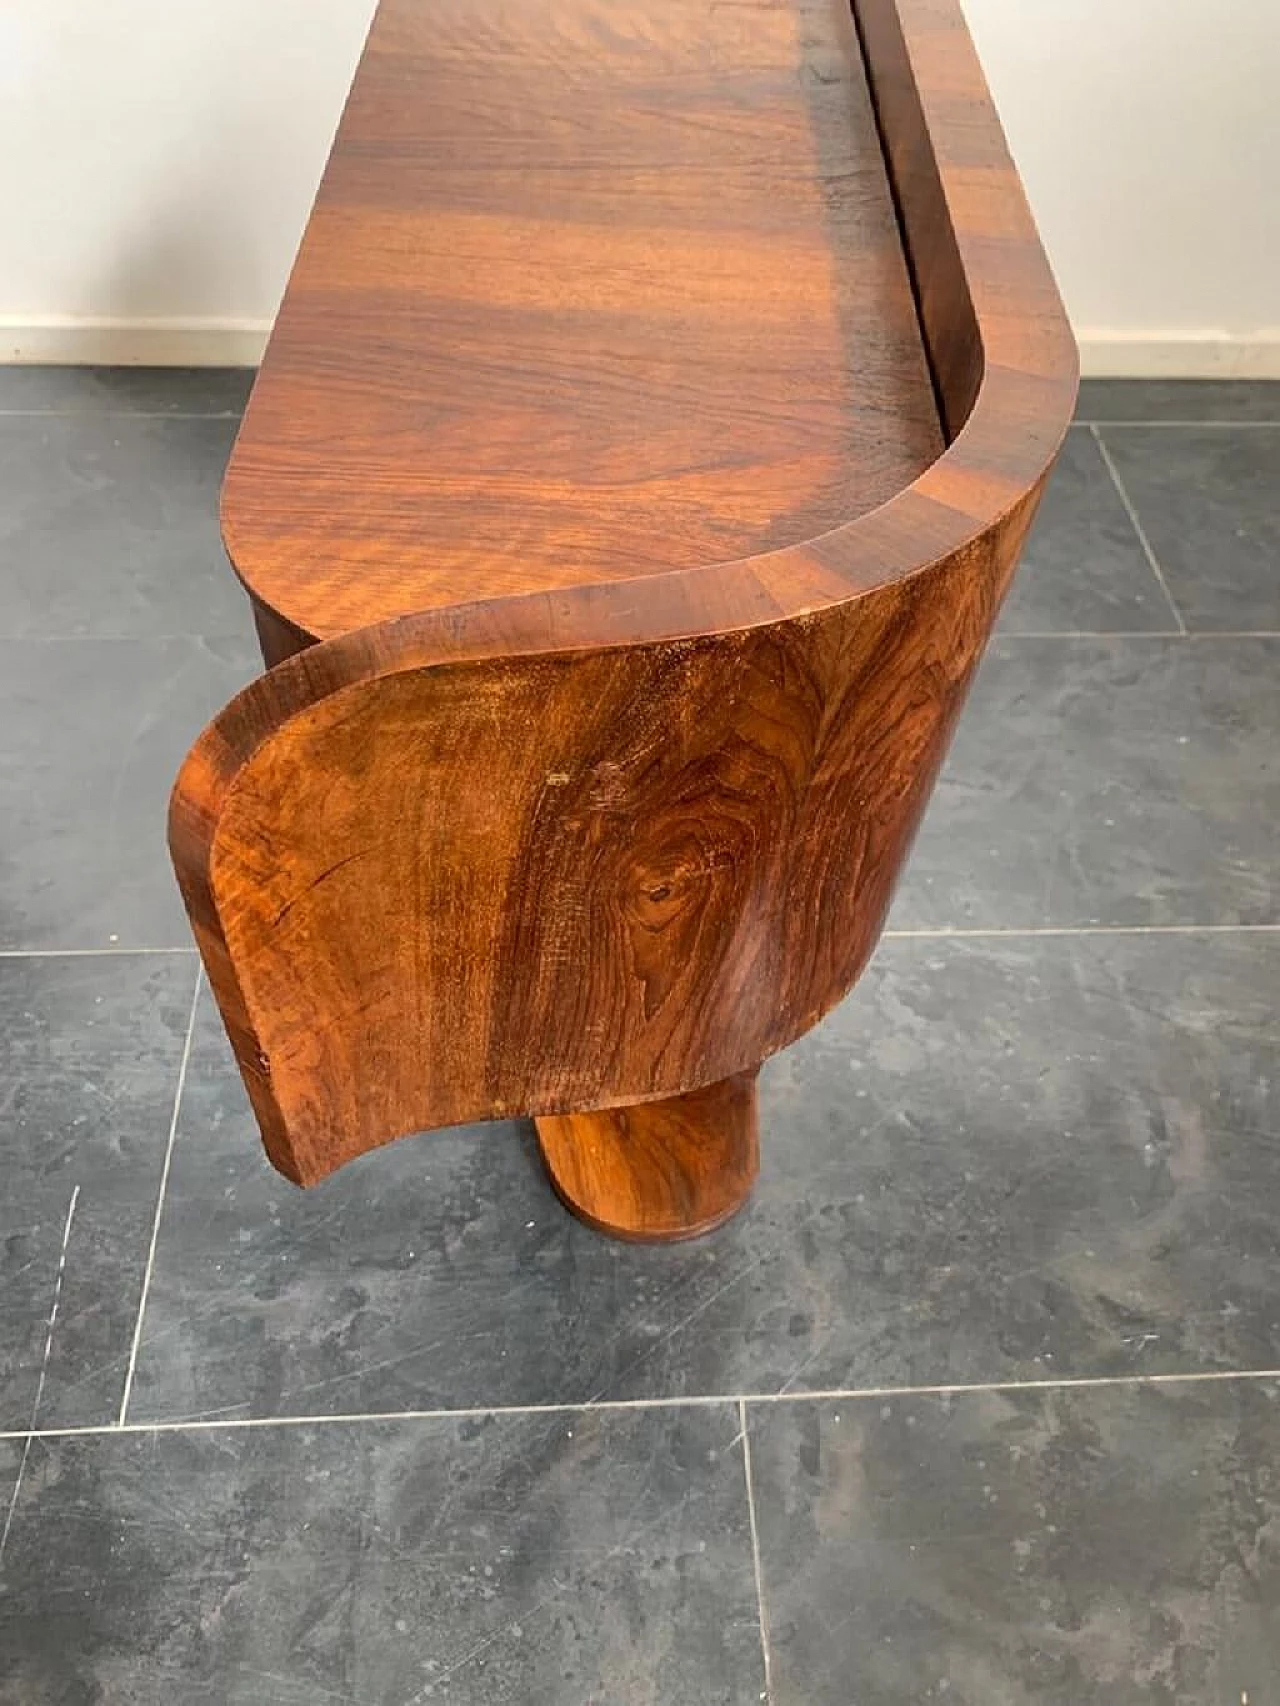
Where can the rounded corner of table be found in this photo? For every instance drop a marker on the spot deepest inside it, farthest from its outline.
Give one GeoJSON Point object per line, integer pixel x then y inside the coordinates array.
{"type": "Point", "coordinates": [547, 856]}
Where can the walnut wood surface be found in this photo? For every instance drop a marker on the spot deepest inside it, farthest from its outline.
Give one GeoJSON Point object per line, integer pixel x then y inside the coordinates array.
{"type": "Point", "coordinates": [591, 290]}
{"type": "Point", "coordinates": [582, 849]}
{"type": "Point", "coordinates": [658, 1171]}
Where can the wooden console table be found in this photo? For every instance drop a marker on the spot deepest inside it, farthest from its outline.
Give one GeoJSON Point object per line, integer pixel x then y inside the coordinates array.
{"type": "Point", "coordinates": [658, 405]}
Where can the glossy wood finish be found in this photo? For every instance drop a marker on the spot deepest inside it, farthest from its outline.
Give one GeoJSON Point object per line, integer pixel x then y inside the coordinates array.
{"type": "Point", "coordinates": [590, 291]}
{"type": "Point", "coordinates": [574, 850]}
{"type": "Point", "coordinates": [658, 1171]}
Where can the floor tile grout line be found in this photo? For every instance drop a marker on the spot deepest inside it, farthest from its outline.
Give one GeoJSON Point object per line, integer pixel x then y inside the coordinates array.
{"type": "Point", "coordinates": [1127, 634]}
{"type": "Point", "coordinates": [204, 636]}
{"type": "Point", "coordinates": [755, 1550]}
{"type": "Point", "coordinates": [1138, 528]}
{"type": "Point", "coordinates": [88, 953]}
{"type": "Point", "coordinates": [122, 414]}
{"type": "Point", "coordinates": [610, 1406]}
{"type": "Point", "coordinates": [943, 933]}
{"type": "Point", "coordinates": [160, 1196]}
{"type": "Point", "coordinates": [1092, 423]}
{"type": "Point", "coordinates": [1091, 634]}
{"type": "Point", "coordinates": [44, 1370]}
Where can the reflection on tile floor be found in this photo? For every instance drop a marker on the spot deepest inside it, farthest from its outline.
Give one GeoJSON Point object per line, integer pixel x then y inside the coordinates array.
{"type": "Point", "coordinates": [91, 736]}
{"type": "Point", "coordinates": [998, 1548]}
{"type": "Point", "coordinates": [1084, 569]}
{"type": "Point", "coordinates": [1000, 1158]}
{"type": "Point", "coordinates": [109, 526]}
{"type": "Point", "coordinates": [1099, 781]}
{"type": "Point", "coordinates": [90, 1057]}
{"type": "Point", "coordinates": [1208, 501]}
{"type": "Point", "coordinates": [1043, 1151]}
{"type": "Point", "coordinates": [500, 1561]}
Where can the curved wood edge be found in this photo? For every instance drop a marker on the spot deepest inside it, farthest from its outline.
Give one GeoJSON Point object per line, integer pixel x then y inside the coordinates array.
{"type": "Point", "coordinates": [1005, 369]}
{"type": "Point", "coordinates": [1004, 366]}
{"type": "Point", "coordinates": [569, 881]}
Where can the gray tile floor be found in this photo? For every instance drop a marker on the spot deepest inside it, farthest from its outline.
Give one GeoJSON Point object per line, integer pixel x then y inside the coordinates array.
{"type": "Point", "coordinates": [977, 1403]}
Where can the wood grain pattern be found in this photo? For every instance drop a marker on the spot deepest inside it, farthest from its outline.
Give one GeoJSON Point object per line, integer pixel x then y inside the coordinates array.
{"type": "Point", "coordinates": [590, 291]}
{"type": "Point", "coordinates": [608, 844]}
{"type": "Point", "coordinates": [659, 1171]}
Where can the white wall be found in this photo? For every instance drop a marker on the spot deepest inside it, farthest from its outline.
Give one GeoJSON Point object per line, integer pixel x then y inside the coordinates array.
{"type": "Point", "coordinates": [1148, 136]}
{"type": "Point", "coordinates": [157, 161]}
{"type": "Point", "coordinates": [159, 157]}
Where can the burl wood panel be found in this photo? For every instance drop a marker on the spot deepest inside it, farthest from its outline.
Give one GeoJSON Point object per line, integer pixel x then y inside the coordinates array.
{"type": "Point", "coordinates": [591, 853]}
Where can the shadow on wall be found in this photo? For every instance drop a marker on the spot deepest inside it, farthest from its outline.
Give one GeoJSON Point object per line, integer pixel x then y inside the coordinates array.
{"type": "Point", "coordinates": [192, 257]}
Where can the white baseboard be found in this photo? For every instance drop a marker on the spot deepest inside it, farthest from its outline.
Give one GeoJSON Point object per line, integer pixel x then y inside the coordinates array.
{"type": "Point", "coordinates": [1179, 355]}
{"type": "Point", "coordinates": [62, 341]}
{"type": "Point", "coordinates": [65, 341]}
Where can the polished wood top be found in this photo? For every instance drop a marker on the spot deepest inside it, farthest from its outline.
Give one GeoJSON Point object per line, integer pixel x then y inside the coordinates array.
{"type": "Point", "coordinates": [592, 290]}
{"type": "Point", "coordinates": [612, 843]}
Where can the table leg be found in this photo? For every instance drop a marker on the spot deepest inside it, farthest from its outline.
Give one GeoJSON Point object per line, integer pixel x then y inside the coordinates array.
{"type": "Point", "coordinates": [658, 1171]}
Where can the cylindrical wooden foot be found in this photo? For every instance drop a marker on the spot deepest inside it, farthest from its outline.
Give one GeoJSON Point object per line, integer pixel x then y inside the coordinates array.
{"type": "Point", "coordinates": [658, 1170]}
